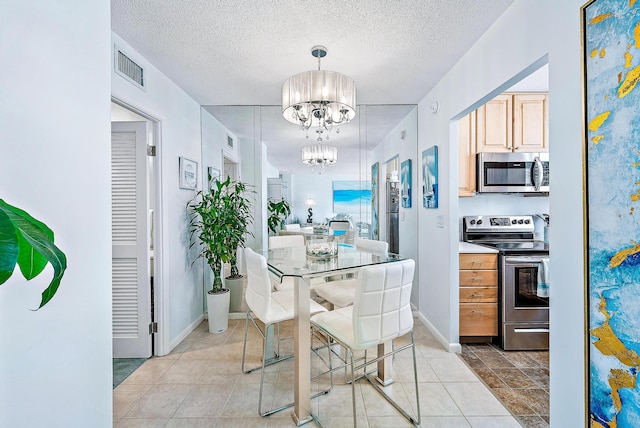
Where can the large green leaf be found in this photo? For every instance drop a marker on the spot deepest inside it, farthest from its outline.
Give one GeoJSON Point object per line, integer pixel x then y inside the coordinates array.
{"type": "Point", "coordinates": [34, 241]}
{"type": "Point", "coordinates": [31, 262]}
{"type": "Point", "coordinates": [8, 247]}
{"type": "Point", "coordinates": [57, 259]}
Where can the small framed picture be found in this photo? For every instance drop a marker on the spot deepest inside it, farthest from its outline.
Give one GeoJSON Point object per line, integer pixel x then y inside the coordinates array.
{"type": "Point", "coordinates": [213, 175]}
{"type": "Point", "coordinates": [188, 174]}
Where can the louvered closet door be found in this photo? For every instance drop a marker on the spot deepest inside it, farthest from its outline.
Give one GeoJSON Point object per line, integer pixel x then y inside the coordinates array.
{"type": "Point", "coordinates": [130, 266]}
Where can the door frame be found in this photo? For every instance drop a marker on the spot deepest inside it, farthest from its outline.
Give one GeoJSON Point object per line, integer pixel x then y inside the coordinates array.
{"type": "Point", "coordinates": [161, 340]}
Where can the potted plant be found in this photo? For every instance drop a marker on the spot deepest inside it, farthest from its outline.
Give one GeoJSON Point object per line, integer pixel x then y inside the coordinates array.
{"type": "Point", "coordinates": [278, 212]}
{"type": "Point", "coordinates": [220, 227]}
{"type": "Point", "coordinates": [238, 231]}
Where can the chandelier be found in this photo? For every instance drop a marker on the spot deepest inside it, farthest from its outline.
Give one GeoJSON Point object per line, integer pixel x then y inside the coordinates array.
{"type": "Point", "coordinates": [319, 155]}
{"type": "Point", "coordinates": [319, 99]}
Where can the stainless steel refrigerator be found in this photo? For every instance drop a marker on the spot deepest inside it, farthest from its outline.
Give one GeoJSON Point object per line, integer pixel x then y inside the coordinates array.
{"type": "Point", "coordinates": [393, 201]}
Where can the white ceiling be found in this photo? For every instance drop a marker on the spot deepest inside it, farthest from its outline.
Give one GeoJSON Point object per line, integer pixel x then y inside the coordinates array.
{"type": "Point", "coordinates": [238, 53]}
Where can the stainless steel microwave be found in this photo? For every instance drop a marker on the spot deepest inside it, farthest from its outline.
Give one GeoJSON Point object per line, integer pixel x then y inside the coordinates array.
{"type": "Point", "coordinates": [513, 172]}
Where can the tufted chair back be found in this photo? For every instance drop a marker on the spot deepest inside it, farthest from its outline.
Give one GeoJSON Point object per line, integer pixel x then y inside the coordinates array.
{"type": "Point", "coordinates": [258, 293]}
{"type": "Point", "coordinates": [281, 241]}
{"type": "Point", "coordinates": [372, 245]}
{"type": "Point", "coordinates": [381, 308]}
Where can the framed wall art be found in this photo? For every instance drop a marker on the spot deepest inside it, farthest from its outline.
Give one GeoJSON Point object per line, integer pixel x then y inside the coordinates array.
{"type": "Point", "coordinates": [611, 66]}
{"type": "Point", "coordinates": [350, 196]}
{"type": "Point", "coordinates": [430, 177]}
{"type": "Point", "coordinates": [188, 173]}
{"type": "Point", "coordinates": [213, 175]}
{"type": "Point", "coordinates": [405, 183]}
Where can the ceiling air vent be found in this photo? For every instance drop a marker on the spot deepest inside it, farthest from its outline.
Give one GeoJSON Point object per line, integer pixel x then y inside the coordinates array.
{"type": "Point", "coordinates": [128, 69]}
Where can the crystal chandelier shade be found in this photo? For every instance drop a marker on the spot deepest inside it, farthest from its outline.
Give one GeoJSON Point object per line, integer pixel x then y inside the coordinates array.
{"type": "Point", "coordinates": [319, 99]}
{"type": "Point", "coordinates": [319, 155]}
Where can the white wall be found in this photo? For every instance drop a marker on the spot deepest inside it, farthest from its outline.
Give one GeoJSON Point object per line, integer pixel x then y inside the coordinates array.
{"type": "Point", "coordinates": [181, 283]}
{"type": "Point", "coordinates": [520, 39]}
{"type": "Point", "coordinates": [55, 363]}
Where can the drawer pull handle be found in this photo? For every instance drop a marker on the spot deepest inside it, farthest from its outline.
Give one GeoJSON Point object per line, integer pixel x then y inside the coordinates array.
{"type": "Point", "coordinates": [477, 312]}
{"type": "Point", "coordinates": [477, 262]}
{"type": "Point", "coordinates": [477, 295]}
{"type": "Point", "coordinates": [477, 278]}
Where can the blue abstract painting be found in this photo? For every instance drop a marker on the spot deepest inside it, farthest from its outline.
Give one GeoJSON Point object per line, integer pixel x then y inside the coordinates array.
{"type": "Point", "coordinates": [430, 177]}
{"type": "Point", "coordinates": [405, 183]}
{"type": "Point", "coordinates": [353, 198]}
{"type": "Point", "coordinates": [611, 38]}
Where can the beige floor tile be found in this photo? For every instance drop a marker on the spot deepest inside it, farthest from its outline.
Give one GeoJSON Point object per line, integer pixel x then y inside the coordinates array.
{"type": "Point", "coordinates": [141, 423]}
{"type": "Point", "coordinates": [244, 422]}
{"type": "Point", "coordinates": [389, 421]}
{"type": "Point", "coordinates": [125, 396]}
{"type": "Point", "coordinates": [192, 423]}
{"type": "Point", "coordinates": [185, 371]}
{"type": "Point", "coordinates": [475, 399]}
{"type": "Point", "coordinates": [160, 401]}
{"type": "Point", "coordinates": [436, 401]}
{"type": "Point", "coordinates": [203, 401]}
{"type": "Point", "coordinates": [149, 372]}
{"type": "Point", "coordinates": [493, 422]}
{"type": "Point", "coordinates": [445, 422]}
{"type": "Point", "coordinates": [449, 368]}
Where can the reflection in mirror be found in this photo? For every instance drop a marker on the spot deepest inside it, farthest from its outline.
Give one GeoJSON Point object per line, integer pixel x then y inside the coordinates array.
{"type": "Point", "coordinates": [341, 190]}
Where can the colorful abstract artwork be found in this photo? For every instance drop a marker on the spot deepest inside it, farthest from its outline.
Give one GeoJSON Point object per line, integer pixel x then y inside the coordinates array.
{"type": "Point", "coordinates": [405, 183]}
{"type": "Point", "coordinates": [611, 41]}
{"type": "Point", "coordinates": [352, 197]}
{"type": "Point", "coordinates": [374, 201]}
{"type": "Point", "coordinates": [430, 177]}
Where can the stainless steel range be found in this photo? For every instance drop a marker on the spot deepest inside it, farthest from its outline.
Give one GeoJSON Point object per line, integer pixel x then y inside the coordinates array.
{"type": "Point", "coordinates": [523, 277]}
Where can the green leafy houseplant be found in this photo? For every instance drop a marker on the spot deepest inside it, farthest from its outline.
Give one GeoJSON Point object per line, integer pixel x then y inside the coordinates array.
{"type": "Point", "coordinates": [219, 219]}
{"type": "Point", "coordinates": [278, 212]}
{"type": "Point", "coordinates": [28, 243]}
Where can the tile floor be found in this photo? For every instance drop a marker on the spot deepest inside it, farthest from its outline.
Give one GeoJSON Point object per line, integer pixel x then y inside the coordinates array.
{"type": "Point", "coordinates": [200, 384]}
{"type": "Point", "coordinates": [519, 379]}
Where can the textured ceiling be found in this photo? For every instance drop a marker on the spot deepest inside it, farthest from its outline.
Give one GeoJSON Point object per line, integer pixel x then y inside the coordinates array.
{"type": "Point", "coordinates": [231, 53]}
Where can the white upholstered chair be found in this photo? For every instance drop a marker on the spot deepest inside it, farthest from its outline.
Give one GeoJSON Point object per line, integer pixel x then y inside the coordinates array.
{"type": "Point", "coordinates": [381, 312]}
{"type": "Point", "coordinates": [295, 226]}
{"type": "Point", "coordinates": [341, 293]}
{"type": "Point", "coordinates": [270, 308]}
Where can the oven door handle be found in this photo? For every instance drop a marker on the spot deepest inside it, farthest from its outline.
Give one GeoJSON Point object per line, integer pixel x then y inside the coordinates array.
{"type": "Point", "coordinates": [509, 259]}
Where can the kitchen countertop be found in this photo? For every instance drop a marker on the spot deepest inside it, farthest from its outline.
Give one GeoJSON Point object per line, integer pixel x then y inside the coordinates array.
{"type": "Point", "coordinates": [469, 248]}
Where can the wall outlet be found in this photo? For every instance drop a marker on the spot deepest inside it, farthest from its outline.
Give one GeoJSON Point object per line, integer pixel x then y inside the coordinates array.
{"type": "Point", "coordinates": [440, 221]}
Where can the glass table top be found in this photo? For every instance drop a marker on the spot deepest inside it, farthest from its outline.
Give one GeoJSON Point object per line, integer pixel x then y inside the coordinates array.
{"type": "Point", "coordinates": [294, 261]}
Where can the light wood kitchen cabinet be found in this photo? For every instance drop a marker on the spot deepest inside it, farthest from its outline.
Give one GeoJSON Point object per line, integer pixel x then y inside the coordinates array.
{"type": "Point", "coordinates": [495, 125]}
{"type": "Point", "coordinates": [530, 119]}
{"type": "Point", "coordinates": [514, 123]}
{"type": "Point", "coordinates": [478, 294]}
{"type": "Point", "coordinates": [467, 155]}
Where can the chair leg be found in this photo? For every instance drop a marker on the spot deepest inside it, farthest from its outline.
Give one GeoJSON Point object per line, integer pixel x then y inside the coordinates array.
{"type": "Point", "coordinates": [353, 389]}
{"type": "Point", "coordinates": [374, 383]}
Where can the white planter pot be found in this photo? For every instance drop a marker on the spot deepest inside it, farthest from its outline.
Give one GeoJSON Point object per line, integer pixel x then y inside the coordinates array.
{"type": "Point", "coordinates": [218, 310]}
{"type": "Point", "coordinates": [236, 286]}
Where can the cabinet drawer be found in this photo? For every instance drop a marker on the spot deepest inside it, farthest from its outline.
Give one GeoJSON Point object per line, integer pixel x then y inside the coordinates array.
{"type": "Point", "coordinates": [478, 261]}
{"type": "Point", "coordinates": [478, 319]}
{"type": "Point", "coordinates": [478, 278]}
{"type": "Point", "coordinates": [479, 295]}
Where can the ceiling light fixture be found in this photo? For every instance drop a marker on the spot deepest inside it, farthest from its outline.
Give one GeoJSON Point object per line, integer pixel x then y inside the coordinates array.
{"type": "Point", "coordinates": [319, 156]}
{"type": "Point", "coordinates": [319, 99]}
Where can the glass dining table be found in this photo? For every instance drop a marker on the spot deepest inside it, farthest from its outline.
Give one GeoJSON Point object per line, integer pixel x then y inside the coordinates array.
{"type": "Point", "coordinates": [295, 262]}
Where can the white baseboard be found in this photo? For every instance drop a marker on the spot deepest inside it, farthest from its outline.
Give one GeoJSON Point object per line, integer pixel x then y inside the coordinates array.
{"type": "Point", "coordinates": [184, 333]}
{"type": "Point", "coordinates": [451, 347]}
